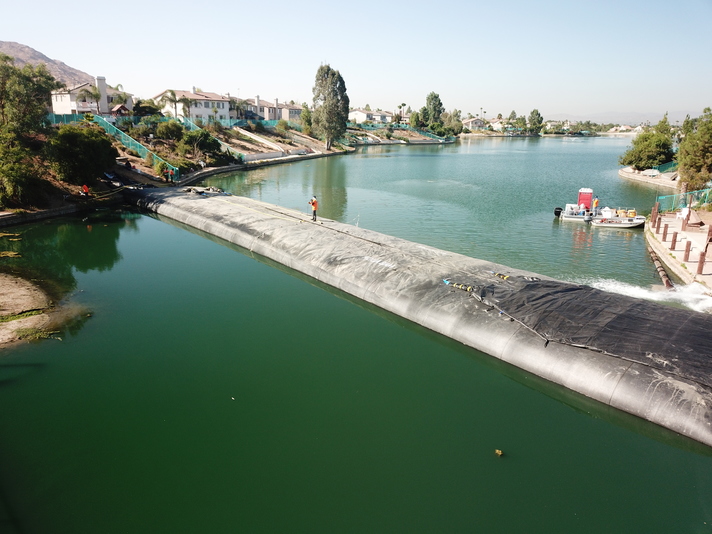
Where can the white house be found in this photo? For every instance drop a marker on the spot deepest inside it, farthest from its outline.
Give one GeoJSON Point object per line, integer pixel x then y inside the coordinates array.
{"type": "Point", "coordinates": [474, 123]}
{"type": "Point", "coordinates": [197, 105]}
{"type": "Point", "coordinates": [384, 117]}
{"type": "Point", "coordinates": [360, 115]}
{"type": "Point", "coordinates": [497, 125]}
{"type": "Point", "coordinates": [74, 101]}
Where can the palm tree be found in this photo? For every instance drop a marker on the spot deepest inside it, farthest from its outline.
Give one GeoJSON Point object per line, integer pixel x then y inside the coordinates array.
{"type": "Point", "coordinates": [170, 98]}
{"type": "Point", "coordinates": [92, 93]}
{"type": "Point", "coordinates": [119, 98]}
{"type": "Point", "coordinates": [238, 106]}
{"type": "Point", "coordinates": [187, 103]}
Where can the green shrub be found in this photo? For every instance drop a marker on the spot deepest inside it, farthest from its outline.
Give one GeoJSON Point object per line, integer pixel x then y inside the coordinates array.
{"type": "Point", "coordinates": [182, 148]}
{"type": "Point", "coordinates": [282, 127]}
{"type": "Point", "coordinates": [80, 154]}
{"type": "Point", "coordinates": [170, 130]}
{"type": "Point", "coordinates": [160, 167]}
{"type": "Point", "coordinates": [183, 165]}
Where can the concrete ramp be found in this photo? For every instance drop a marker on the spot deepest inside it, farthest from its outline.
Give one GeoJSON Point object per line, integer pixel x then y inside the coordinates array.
{"type": "Point", "coordinates": [649, 360]}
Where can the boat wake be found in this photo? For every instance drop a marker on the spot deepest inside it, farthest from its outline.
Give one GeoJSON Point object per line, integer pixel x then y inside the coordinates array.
{"type": "Point", "coordinates": [691, 296]}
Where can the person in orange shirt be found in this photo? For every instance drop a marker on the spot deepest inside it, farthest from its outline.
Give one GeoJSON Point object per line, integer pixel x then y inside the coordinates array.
{"type": "Point", "coordinates": [314, 204]}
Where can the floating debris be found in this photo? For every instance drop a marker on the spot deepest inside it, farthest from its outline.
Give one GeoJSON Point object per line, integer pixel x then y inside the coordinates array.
{"type": "Point", "coordinates": [9, 254]}
{"type": "Point", "coordinates": [498, 452]}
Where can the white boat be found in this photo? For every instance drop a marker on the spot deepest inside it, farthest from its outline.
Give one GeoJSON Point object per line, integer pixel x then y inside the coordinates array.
{"type": "Point", "coordinates": [607, 217]}
{"type": "Point", "coordinates": [573, 212]}
{"type": "Point", "coordinates": [620, 218]}
{"type": "Point", "coordinates": [581, 211]}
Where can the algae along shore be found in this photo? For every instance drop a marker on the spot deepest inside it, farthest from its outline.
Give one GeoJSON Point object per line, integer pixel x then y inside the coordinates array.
{"type": "Point", "coordinates": [22, 309]}
{"type": "Point", "coordinates": [27, 313]}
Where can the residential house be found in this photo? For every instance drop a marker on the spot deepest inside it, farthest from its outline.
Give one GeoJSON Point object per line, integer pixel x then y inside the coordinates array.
{"type": "Point", "coordinates": [621, 129]}
{"type": "Point", "coordinates": [497, 125]}
{"type": "Point", "coordinates": [202, 106]}
{"type": "Point", "coordinates": [73, 100]}
{"type": "Point", "coordinates": [290, 112]}
{"type": "Point", "coordinates": [384, 117]}
{"type": "Point", "coordinates": [360, 115]}
{"type": "Point", "coordinates": [262, 110]}
{"type": "Point", "coordinates": [474, 123]}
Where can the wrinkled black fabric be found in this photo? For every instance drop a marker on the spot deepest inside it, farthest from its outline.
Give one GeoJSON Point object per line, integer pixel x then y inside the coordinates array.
{"type": "Point", "coordinates": [671, 339]}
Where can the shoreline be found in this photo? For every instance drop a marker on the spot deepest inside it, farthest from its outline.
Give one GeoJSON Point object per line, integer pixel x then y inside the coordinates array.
{"type": "Point", "coordinates": [662, 180]}
{"type": "Point", "coordinates": [21, 297]}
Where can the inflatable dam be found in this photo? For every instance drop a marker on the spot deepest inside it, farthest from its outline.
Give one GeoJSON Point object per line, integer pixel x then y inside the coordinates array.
{"type": "Point", "coordinates": [649, 360]}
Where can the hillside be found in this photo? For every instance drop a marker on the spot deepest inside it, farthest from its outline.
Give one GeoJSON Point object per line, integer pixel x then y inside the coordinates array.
{"type": "Point", "coordinates": [62, 72]}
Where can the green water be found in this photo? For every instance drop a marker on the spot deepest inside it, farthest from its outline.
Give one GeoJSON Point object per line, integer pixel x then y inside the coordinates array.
{"type": "Point", "coordinates": [210, 391]}
{"type": "Point", "coordinates": [487, 198]}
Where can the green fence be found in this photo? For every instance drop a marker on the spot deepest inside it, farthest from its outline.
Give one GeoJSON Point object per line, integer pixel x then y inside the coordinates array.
{"type": "Point", "coordinates": [667, 167]}
{"type": "Point", "coordinates": [190, 125]}
{"type": "Point", "coordinates": [397, 126]}
{"type": "Point", "coordinates": [693, 199]}
{"type": "Point", "coordinates": [132, 144]}
{"type": "Point", "coordinates": [65, 119]}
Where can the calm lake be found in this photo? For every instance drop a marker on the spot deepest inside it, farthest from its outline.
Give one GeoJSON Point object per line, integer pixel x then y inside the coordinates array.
{"type": "Point", "coordinates": [207, 390]}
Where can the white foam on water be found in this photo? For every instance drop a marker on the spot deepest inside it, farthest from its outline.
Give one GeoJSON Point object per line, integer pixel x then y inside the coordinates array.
{"type": "Point", "coordinates": [693, 296]}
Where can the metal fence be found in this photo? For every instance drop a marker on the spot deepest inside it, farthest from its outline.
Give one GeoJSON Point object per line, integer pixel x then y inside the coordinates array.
{"type": "Point", "coordinates": [134, 120]}
{"type": "Point", "coordinates": [397, 126]}
{"type": "Point", "coordinates": [693, 199]}
{"type": "Point", "coordinates": [132, 144]}
{"type": "Point", "coordinates": [65, 119]}
{"type": "Point", "coordinates": [243, 123]}
{"type": "Point", "coordinates": [379, 126]}
{"type": "Point", "coordinates": [667, 167]}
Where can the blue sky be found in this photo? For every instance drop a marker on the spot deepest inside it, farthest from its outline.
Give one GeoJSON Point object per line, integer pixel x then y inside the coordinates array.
{"type": "Point", "coordinates": [601, 60]}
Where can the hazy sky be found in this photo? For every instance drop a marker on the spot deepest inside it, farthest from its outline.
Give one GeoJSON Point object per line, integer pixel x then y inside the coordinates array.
{"type": "Point", "coordinates": [581, 58]}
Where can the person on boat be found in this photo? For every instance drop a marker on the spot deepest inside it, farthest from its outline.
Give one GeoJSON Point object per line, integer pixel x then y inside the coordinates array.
{"type": "Point", "coordinates": [594, 207]}
{"type": "Point", "coordinates": [582, 209]}
{"type": "Point", "coordinates": [314, 204]}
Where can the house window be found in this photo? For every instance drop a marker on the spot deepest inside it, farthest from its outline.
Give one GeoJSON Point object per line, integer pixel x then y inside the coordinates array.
{"type": "Point", "coordinates": [206, 104]}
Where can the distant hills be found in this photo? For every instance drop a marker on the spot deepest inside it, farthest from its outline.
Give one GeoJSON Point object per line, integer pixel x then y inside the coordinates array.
{"type": "Point", "coordinates": [64, 73]}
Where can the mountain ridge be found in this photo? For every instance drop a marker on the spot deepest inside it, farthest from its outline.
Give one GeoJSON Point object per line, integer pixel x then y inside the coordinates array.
{"type": "Point", "coordinates": [23, 55]}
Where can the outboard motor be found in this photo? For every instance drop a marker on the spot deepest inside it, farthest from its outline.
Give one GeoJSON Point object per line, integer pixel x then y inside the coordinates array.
{"type": "Point", "coordinates": [587, 218]}
{"type": "Point", "coordinates": [557, 212]}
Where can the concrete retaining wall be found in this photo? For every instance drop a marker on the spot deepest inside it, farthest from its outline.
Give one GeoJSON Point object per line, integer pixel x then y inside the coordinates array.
{"type": "Point", "coordinates": [10, 219]}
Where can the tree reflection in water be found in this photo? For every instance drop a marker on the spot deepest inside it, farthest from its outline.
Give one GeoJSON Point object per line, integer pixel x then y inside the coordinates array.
{"type": "Point", "coordinates": [50, 250]}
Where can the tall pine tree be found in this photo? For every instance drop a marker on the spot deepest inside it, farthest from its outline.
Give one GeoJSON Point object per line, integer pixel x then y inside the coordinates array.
{"type": "Point", "coordinates": [331, 105]}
